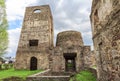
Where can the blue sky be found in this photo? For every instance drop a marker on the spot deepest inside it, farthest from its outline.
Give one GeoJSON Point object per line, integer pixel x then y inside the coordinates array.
{"type": "Point", "coordinates": [67, 15]}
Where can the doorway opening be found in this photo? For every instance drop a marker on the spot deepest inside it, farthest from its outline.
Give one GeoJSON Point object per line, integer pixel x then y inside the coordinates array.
{"type": "Point", "coordinates": [33, 63]}
{"type": "Point", "coordinates": [70, 64]}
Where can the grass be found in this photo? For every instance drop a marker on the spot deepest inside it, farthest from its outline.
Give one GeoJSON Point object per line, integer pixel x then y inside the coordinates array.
{"type": "Point", "coordinates": [18, 73]}
{"type": "Point", "coordinates": [84, 76]}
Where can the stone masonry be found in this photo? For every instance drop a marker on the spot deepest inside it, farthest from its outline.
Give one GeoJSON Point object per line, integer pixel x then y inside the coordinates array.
{"type": "Point", "coordinates": [36, 50]}
{"type": "Point", "coordinates": [36, 37]}
{"type": "Point", "coordinates": [105, 21]}
{"type": "Point", "coordinates": [69, 49]}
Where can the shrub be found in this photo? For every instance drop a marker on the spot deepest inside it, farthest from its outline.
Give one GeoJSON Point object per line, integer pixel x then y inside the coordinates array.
{"type": "Point", "coordinates": [84, 76]}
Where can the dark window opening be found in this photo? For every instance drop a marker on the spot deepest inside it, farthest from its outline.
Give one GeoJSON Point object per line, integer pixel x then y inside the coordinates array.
{"type": "Point", "coordinates": [100, 44]}
{"type": "Point", "coordinates": [33, 42]}
{"type": "Point", "coordinates": [100, 53]}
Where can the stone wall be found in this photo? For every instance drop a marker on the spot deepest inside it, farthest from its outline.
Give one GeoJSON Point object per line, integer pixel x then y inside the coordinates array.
{"type": "Point", "coordinates": [89, 57]}
{"type": "Point", "coordinates": [36, 38]}
{"type": "Point", "coordinates": [58, 64]}
{"type": "Point", "coordinates": [105, 20]}
{"type": "Point", "coordinates": [24, 60]}
{"type": "Point", "coordinates": [70, 43]}
{"type": "Point", "coordinates": [36, 50]}
{"type": "Point", "coordinates": [69, 38]}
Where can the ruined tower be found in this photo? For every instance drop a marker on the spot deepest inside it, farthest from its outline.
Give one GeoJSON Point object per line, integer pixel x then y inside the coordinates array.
{"type": "Point", "coordinates": [36, 39]}
{"type": "Point", "coordinates": [70, 52]}
{"type": "Point", "coordinates": [105, 21]}
{"type": "Point", "coordinates": [36, 50]}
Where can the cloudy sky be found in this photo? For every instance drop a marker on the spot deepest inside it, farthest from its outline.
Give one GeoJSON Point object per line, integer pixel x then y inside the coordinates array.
{"type": "Point", "coordinates": [67, 15]}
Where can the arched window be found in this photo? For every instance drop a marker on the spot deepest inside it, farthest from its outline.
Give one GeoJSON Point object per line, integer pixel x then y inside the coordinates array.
{"type": "Point", "coordinates": [37, 11]}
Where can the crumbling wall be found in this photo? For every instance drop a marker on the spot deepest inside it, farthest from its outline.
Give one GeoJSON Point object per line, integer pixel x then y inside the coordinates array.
{"type": "Point", "coordinates": [71, 42]}
{"type": "Point", "coordinates": [36, 38]}
{"type": "Point", "coordinates": [105, 21]}
{"type": "Point", "coordinates": [89, 57]}
{"type": "Point", "coordinates": [69, 39]}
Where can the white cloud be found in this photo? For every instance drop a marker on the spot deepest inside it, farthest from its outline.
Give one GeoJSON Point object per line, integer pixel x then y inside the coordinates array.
{"type": "Point", "coordinates": [16, 8]}
{"type": "Point", "coordinates": [60, 3]}
{"type": "Point", "coordinates": [13, 41]}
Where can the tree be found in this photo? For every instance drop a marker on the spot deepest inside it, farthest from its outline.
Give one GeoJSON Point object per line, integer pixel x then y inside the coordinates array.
{"type": "Point", "coordinates": [3, 28]}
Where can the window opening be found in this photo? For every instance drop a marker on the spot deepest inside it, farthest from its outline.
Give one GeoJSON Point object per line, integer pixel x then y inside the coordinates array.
{"type": "Point", "coordinates": [37, 11]}
{"type": "Point", "coordinates": [33, 42]}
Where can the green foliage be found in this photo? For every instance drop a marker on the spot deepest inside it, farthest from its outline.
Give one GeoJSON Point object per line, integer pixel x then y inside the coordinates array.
{"type": "Point", "coordinates": [17, 73]}
{"type": "Point", "coordinates": [84, 76]}
{"type": "Point", "coordinates": [3, 28]}
{"type": "Point", "coordinates": [69, 65]}
{"type": "Point", "coordinates": [6, 66]}
{"type": "Point", "coordinates": [2, 3]}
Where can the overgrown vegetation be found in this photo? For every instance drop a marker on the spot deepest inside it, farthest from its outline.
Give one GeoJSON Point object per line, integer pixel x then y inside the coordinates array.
{"type": "Point", "coordinates": [5, 66]}
{"type": "Point", "coordinates": [3, 28]}
{"type": "Point", "coordinates": [84, 76]}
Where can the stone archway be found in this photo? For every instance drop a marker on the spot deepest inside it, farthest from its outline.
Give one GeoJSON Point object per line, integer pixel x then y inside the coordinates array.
{"type": "Point", "coordinates": [33, 63]}
{"type": "Point", "coordinates": [70, 64]}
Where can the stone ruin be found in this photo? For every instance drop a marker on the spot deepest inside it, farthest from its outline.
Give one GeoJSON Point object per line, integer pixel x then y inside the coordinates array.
{"type": "Point", "coordinates": [36, 39]}
{"type": "Point", "coordinates": [36, 49]}
{"type": "Point", "coordinates": [105, 21]}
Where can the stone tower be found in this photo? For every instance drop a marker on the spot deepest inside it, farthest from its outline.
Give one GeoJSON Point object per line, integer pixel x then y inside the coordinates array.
{"type": "Point", "coordinates": [36, 50]}
{"type": "Point", "coordinates": [70, 50]}
{"type": "Point", "coordinates": [36, 37]}
{"type": "Point", "coordinates": [105, 21]}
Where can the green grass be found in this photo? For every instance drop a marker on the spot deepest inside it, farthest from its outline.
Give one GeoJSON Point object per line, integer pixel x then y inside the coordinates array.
{"type": "Point", "coordinates": [84, 76]}
{"type": "Point", "coordinates": [18, 73]}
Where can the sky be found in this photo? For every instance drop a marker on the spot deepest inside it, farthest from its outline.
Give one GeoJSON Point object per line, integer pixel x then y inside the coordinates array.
{"type": "Point", "coordinates": [67, 15]}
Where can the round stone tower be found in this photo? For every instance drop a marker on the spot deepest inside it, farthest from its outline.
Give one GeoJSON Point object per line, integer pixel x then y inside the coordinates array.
{"type": "Point", "coordinates": [69, 38]}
